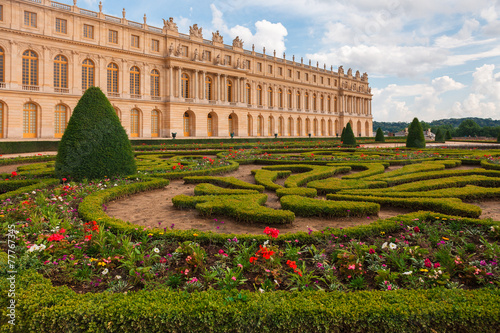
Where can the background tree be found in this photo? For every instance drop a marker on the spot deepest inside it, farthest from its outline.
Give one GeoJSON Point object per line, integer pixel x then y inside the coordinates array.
{"type": "Point", "coordinates": [380, 136]}
{"type": "Point", "coordinates": [448, 136]}
{"type": "Point", "coordinates": [498, 139]}
{"type": "Point", "coordinates": [468, 127]}
{"type": "Point", "coordinates": [94, 144]}
{"type": "Point", "coordinates": [415, 137]}
{"type": "Point", "coordinates": [349, 138]}
{"type": "Point", "coordinates": [439, 136]}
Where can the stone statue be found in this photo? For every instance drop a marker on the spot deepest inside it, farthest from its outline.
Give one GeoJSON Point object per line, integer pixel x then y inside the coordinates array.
{"type": "Point", "coordinates": [195, 55]}
{"type": "Point", "coordinates": [100, 6]}
{"type": "Point", "coordinates": [365, 77]}
{"type": "Point", "coordinates": [171, 49]}
{"type": "Point", "coordinates": [194, 31]}
{"type": "Point", "coordinates": [145, 19]}
{"type": "Point", "coordinates": [238, 63]}
{"type": "Point", "coordinates": [217, 59]}
{"type": "Point", "coordinates": [217, 38]}
{"type": "Point", "coordinates": [349, 72]}
{"type": "Point", "coordinates": [203, 56]}
{"type": "Point", "coordinates": [124, 12]}
{"type": "Point", "coordinates": [341, 70]}
{"type": "Point", "coordinates": [357, 74]}
{"type": "Point", "coordinates": [237, 42]}
{"type": "Point", "coordinates": [169, 25]}
{"type": "Point", "coordinates": [178, 51]}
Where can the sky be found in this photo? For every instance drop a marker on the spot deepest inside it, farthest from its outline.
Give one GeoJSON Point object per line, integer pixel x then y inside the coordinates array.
{"type": "Point", "coordinates": [430, 59]}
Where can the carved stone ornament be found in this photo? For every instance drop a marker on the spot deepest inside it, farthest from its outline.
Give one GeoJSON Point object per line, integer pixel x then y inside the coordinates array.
{"type": "Point", "coordinates": [365, 76]}
{"type": "Point", "coordinates": [341, 70]}
{"type": "Point", "coordinates": [217, 38]}
{"type": "Point", "coordinates": [169, 25]}
{"type": "Point", "coordinates": [237, 42]}
{"type": "Point", "coordinates": [195, 57]}
{"type": "Point", "coordinates": [357, 74]}
{"type": "Point", "coordinates": [349, 72]}
{"type": "Point", "coordinates": [171, 49]}
{"type": "Point", "coordinates": [178, 51]}
{"type": "Point", "coordinates": [217, 60]}
{"type": "Point", "coordinates": [195, 31]}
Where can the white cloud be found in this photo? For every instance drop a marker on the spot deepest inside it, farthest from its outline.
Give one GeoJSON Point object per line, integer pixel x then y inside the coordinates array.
{"type": "Point", "coordinates": [183, 23]}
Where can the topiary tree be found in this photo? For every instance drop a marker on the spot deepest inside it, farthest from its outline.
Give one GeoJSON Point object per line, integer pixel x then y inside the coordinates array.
{"type": "Point", "coordinates": [415, 137]}
{"type": "Point", "coordinates": [342, 135]}
{"type": "Point", "coordinates": [439, 136]}
{"type": "Point", "coordinates": [448, 136]}
{"type": "Point", "coordinates": [498, 139]}
{"type": "Point", "coordinates": [349, 138]}
{"type": "Point", "coordinates": [94, 144]}
{"type": "Point", "coordinates": [380, 136]}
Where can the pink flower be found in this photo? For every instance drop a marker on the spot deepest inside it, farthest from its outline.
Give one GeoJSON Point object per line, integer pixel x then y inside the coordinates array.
{"type": "Point", "coordinates": [233, 278]}
{"type": "Point", "coordinates": [427, 263]}
{"type": "Point", "coordinates": [436, 265]}
{"type": "Point", "coordinates": [371, 251]}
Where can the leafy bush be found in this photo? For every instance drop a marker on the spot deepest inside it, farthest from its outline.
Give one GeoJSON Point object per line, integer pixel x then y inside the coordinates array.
{"type": "Point", "coordinates": [94, 144]}
{"type": "Point", "coordinates": [415, 137]}
{"type": "Point", "coordinates": [380, 135]}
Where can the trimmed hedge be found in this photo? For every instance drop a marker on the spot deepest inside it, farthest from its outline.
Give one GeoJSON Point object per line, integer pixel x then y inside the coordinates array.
{"type": "Point", "coordinates": [369, 169]}
{"type": "Point", "coordinates": [488, 165]}
{"type": "Point", "coordinates": [308, 207]}
{"type": "Point", "coordinates": [434, 184]}
{"type": "Point", "coordinates": [244, 208]}
{"type": "Point", "coordinates": [408, 169]}
{"type": "Point", "coordinates": [334, 185]}
{"type": "Point", "coordinates": [211, 171]}
{"type": "Point", "coordinates": [307, 173]}
{"type": "Point", "coordinates": [231, 182]}
{"type": "Point", "coordinates": [210, 189]}
{"type": "Point", "coordinates": [41, 183]}
{"type": "Point", "coordinates": [300, 191]}
{"type": "Point", "coordinates": [266, 178]}
{"type": "Point", "coordinates": [446, 205]}
{"type": "Point", "coordinates": [415, 137]}
{"type": "Point", "coordinates": [14, 184]}
{"type": "Point", "coordinates": [43, 308]}
{"type": "Point", "coordinates": [26, 159]}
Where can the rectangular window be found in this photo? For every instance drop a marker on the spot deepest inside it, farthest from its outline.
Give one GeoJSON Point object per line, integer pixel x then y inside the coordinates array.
{"type": "Point", "coordinates": [207, 55]}
{"type": "Point", "coordinates": [335, 83]}
{"type": "Point", "coordinates": [270, 69]}
{"type": "Point", "coordinates": [259, 66]}
{"type": "Point", "coordinates": [30, 19]}
{"type": "Point", "coordinates": [227, 60]}
{"type": "Point", "coordinates": [307, 77]}
{"type": "Point", "coordinates": [247, 62]}
{"type": "Point", "coordinates": [134, 41]}
{"type": "Point", "coordinates": [113, 36]}
{"type": "Point", "coordinates": [329, 81]}
{"type": "Point", "coordinates": [321, 80]}
{"type": "Point", "coordinates": [314, 78]}
{"type": "Point", "coordinates": [61, 26]}
{"type": "Point", "coordinates": [184, 51]}
{"type": "Point", "coordinates": [298, 75]}
{"type": "Point", "coordinates": [88, 31]}
{"type": "Point", "coordinates": [280, 71]}
{"type": "Point", "coordinates": [155, 45]}
{"type": "Point", "coordinates": [1, 12]}
{"type": "Point", "coordinates": [289, 73]}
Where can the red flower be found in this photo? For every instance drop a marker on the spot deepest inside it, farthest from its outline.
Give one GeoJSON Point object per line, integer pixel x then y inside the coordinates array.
{"type": "Point", "coordinates": [292, 264]}
{"type": "Point", "coordinates": [252, 259]}
{"type": "Point", "coordinates": [272, 232]}
{"type": "Point", "coordinates": [436, 265]}
{"type": "Point", "coordinates": [266, 254]}
{"type": "Point", "coordinates": [416, 229]}
{"type": "Point", "coordinates": [371, 251]}
{"type": "Point", "coordinates": [55, 237]}
{"type": "Point", "coordinates": [64, 179]}
{"type": "Point", "coordinates": [173, 168]}
{"type": "Point", "coordinates": [428, 263]}
{"type": "Point", "coordinates": [14, 173]}
{"type": "Point", "coordinates": [88, 237]}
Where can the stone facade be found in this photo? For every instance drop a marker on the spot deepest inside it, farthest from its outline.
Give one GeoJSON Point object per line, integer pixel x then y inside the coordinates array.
{"type": "Point", "coordinates": [161, 81]}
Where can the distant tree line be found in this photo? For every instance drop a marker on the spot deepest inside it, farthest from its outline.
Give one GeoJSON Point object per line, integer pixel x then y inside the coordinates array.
{"type": "Point", "coordinates": [457, 127]}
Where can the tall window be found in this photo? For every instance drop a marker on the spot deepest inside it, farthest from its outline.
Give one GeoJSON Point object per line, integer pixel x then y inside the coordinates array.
{"type": "Point", "coordinates": [290, 126]}
{"type": "Point", "coordinates": [207, 55]}
{"type": "Point", "coordinates": [229, 91]}
{"type": "Point", "coordinates": [227, 60]}
{"type": "Point", "coordinates": [30, 19]}
{"type": "Point", "coordinates": [328, 104]}
{"type": "Point", "coordinates": [308, 126]}
{"type": "Point", "coordinates": [314, 103]}
{"type": "Point", "coordinates": [135, 82]}
{"type": "Point", "coordinates": [134, 41]}
{"type": "Point", "coordinates": [59, 121]}
{"type": "Point", "coordinates": [315, 127]}
{"type": "Point", "coordinates": [184, 51]}
{"type": "Point", "coordinates": [186, 124]}
{"type": "Point", "coordinates": [87, 74]}
{"type": "Point", "coordinates": [209, 125]}
{"type": "Point", "coordinates": [260, 125]}
{"type": "Point", "coordinates": [323, 127]}
{"type": "Point", "coordinates": [113, 36]}
{"type": "Point", "coordinates": [112, 78]}
{"type": "Point", "coordinates": [184, 86]}
{"type": "Point", "coordinates": [248, 93]}
{"type": "Point", "coordinates": [155, 83]}
{"type": "Point", "coordinates": [88, 31]}
{"type": "Point", "coordinates": [306, 101]}
{"type": "Point", "coordinates": [270, 126]}
{"type": "Point", "coordinates": [208, 88]}
{"type": "Point", "coordinates": [1, 12]}
{"type": "Point", "coordinates": [61, 26]}
{"type": "Point", "coordinates": [289, 98]}
{"type": "Point", "coordinates": [249, 125]}
{"type": "Point", "coordinates": [30, 68]}
{"type": "Point", "coordinates": [299, 127]}
{"type": "Point", "coordinates": [298, 100]}
{"type": "Point", "coordinates": [335, 104]}
{"type": "Point", "coordinates": [259, 95]}
{"type": "Point", "coordinates": [134, 123]}
{"type": "Point", "coordinates": [155, 45]}
{"type": "Point", "coordinates": [155, 124]}
{"type": "Point", "coordinates": [280, 98]}
{"type": "Point", "coordinates": [1, 119]}
{"type": "Point", "coordinates": [230, 124]}
{"type": "Point", "coordinates": [60, 72]}
{"type": "Point", "coordinates": [2, 66]}
{"type": "Point", "coordinates": [270, 96]}
{"type": "Point", "coordinates": [321, 106]}
{"type": "Point", "coordinates": [29, 120]}
{"type": "Point", "coordinates": [280, 126]}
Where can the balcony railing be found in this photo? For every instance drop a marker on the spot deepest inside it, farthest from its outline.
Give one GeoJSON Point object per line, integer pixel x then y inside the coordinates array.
{"type": "Point", "coordinates": [135, 96]}
{"type": "Point", "coordinates": [156, 98]}
{"type": "Point", "coordinates": [31, 88]}
{"type": "Point", "coordinates": [113, 94]}
{"type": "Point", "coordinates": [61, 90]}
{"type": "Point", "coordinates": [88, 12]}
{"type": "Point", "coordinates": [60, 6]}
{"type": "Point", "coordinates": [2, 85]}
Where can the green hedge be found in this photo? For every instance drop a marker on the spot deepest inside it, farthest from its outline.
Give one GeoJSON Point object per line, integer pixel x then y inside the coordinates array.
{"type": "Point", "coordinates": [18, 147]}
{"type": "Point", "coordinates": [231, 182]}
{"type": "Point", "coordinates": [333, 185]}
{"type": "Point", "coordinates": [40, 184]}
{"type": "Point", "coordinates": [14, 184]}
{"type": "Point", "coordinates": [452, 206]}
{"type": "Point", "coordinates": [210, 189]}
{"type": "Point", "coordinates": [26, 159]}
{"type": "Point", "coordinates": [408, 169]}
{"type": "Point", "coordinates": [434, 184]}
{"type": "Point", "coordinates": [212, 171]}
{"type": "Point", "coordinates": [439, 174]}
{"type": "Point", "coordinates": [307, 173]}
{"type": "Point", "coordinates": [308, 207]}
{"type": "Point", "coordinates": [488, 165]}
{"type": "Point", "coordinates": [266, 178]}
{"type": "Point", "coordinates": [244, 208]}
{"type": "Point", "coordinates": [300, 191]}
{"type": "Point", "coordinates": [368, 169]}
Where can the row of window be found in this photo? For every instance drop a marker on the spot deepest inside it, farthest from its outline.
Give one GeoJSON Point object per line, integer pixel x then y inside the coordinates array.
{"type": "Point", "coordinates": [31, 118]}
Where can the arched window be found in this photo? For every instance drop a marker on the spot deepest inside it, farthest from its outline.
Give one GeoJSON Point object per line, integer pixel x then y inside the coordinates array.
{"type": "Point", "coordinates": [30, 114]}
{"type": "Point", "coordinates": [321, 105]}
{"type": "Point", "coordinates": [260, 125]}
{"type": "Point", "coordinates": [134, 123]}
{"type": "Point", "coordinates": [230, 124]}
{"type": "Point", "coordinates": [335, 104]}
{"type": "Point", "coordinates": [187, 124]}
{"type": "Point", "coordinates": [209, 125]}
{"type": "Point", "coordinates": [155, 83]}
{"type": "Point", "coordinates": [259, 95]}
{"type": "Point", "coordinates": [30, 69]}
{"type": "Point", "coordinates": [2, 65]}
{"type": "Point", "coordinates": [280, 126]}
{"type": "Point", "coordinates": [112, 78]}
{"type": "Point", "coordinates": [298, 99]}
{"type": "Point", "coordinates": [60, 73]}
{"type": "Point", "coordinates": [1, 119]}
{"type": "Point", "coordinates": [289, 99]}
{"type": "Point", "coordinates": [314, 103]}
{"type": "Point", "coordinates": [330, 128]}
{"type": "Point", "coordinates": [249, 93]}
{"type": "Point", "coordinates": [184, 86]}
{"type": "Point", "coordinates": [229, 91]}
{"type": "Point", "coordinates": [155, 124]}
{"type": "Point", "coordinates": [208, 88]}
{"type": "Point", "coordinates": [280, 98]}
{"type": "Point", "coordinates": [270, 96]}
{"type": "Point", "coordinates": [135, 82]}
{"type": "Point", "coordinates": [270, 126]}
{"type": "Point", "coordinates": [59, 121]}
{"type": "Point", "coordinates": [88, 75]}
{"type": "Point", "coordinates": [306, 101]}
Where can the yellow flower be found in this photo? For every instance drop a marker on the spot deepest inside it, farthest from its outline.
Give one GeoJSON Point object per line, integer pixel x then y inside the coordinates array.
{"type": "Point", "coordinates": [424, 270]}
{"type": "Point", "coordinates": [101, 264]}
{"type": "Point", "coordinates": [437, 217]}
{"type": "Point", "coordinates": [150, 234]}
{"type": "Point", "coordinates": [446, 238]}
{"type": "Point", "coordinates": [161, 233]}
{"type": "Point", "coordinates": [382, 233]}
{"type": "Point", "coordinates": [93, 259]}
{"type": "Point", "coordinates": [444, 219]}
{"type": "Point", "coordinates": [2, 215]}
{"type": "Point", "coordinates": [195, 235]}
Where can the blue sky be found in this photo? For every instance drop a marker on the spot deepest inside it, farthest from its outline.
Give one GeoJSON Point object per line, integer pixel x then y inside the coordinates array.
{"type": "Point", "coordinates": [430, 59]}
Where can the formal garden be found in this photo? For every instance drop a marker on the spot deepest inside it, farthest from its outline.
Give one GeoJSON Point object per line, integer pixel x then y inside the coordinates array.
{"type": "Point", "coordinates": [248, 236]}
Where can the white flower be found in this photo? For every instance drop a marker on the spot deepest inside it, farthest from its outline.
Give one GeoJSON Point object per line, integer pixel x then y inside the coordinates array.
{"type": "Point", "coordinates": [261, 290]}
{"type": "Point", "coordinates": [33, 248]}
{"type": "Point", "coordinates": [265, 243]}
{"type": "Point", "coordinates": [384, 245]}
{"type": "Point", "coordinates": [156, 250]}
{"type": "Point", "coordinates": [116, 184]}
{"type": "Point", "coordinates": [105, 271]}
{"type": "Point", "coordinates": [34, 192]}
{"type": "Point", "coordinates": [408, 273]}
{"type": "Point", "coordinates": [118, 277]}
{"type": "Point", "coordinates": [393, 246]}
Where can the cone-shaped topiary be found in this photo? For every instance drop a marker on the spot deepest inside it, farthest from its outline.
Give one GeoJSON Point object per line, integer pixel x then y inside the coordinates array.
{"type": "Point", "coordinates": [439, 136]}
{"type": "Point", "coordinates": [415, 137]}
{"type": "Point", "coordinates": [349, 138]}
{"type": "Point", "coordinates": [95, 143]}
{"type": "Point", "coordinates": [380, 136]}
{"type": "Point", "coordinates": [448, 136]}
{"type": "Point", "coordinates": [342, 135]}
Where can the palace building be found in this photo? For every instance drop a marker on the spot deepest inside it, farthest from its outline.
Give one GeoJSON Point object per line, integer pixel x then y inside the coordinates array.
{"type": "Point", "coordinates": [161, 81]}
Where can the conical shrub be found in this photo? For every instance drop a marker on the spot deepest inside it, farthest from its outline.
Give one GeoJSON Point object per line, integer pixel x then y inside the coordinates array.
{"type": "Point", "coordinates": [94, 144]}
{"type": "Point", "coordinates": [415, 137]}
{"type": "Point", "coordinates": [380, 136]}
{"type": "Point", "coordinates": [349, 138]}
{"type": "Point", "coordinates": [439, 136]}
{"type": "Point", "coordinates": [448, 135]}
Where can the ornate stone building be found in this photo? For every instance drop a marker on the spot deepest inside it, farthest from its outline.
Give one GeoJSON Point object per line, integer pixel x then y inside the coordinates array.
{"type": "Point", "coordinates": [161, 81]}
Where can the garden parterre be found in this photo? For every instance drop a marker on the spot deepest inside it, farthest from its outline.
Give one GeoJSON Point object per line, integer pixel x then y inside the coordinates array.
{"type": "Point", "coordinates": [64, 234]}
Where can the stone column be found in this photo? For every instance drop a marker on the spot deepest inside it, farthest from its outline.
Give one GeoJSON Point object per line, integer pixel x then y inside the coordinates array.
{"type": "Point", "coordinates": [170, 82]}
{"type": "Point", "coordinates": [217, 86]}
{"type": "Point", "coordinates": [203, 88]}
{"type": "Point", "coordinates": [195, 90]}
{"type": "Point", "coordinates": [179, 82]}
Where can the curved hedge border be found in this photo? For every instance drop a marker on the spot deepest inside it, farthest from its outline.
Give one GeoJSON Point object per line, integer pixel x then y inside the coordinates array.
{"type": "Point", "coordinates": [408, 169]}
{"type": "Point", "coordinates": [439, 174]}
{"type": "Point", "coordinates": [300, 191]}
{"type": "Point", "coordinates": [488, 165]}
{"type": "Point", "coordinates": [40, 184]}
{"type": "Point", "coordinates": [308, 207]}
{"type": "Point", "coordinates": [368, 169]}
{"type": "Point", "coordinates": [231, 182]}
{"type": "Point", "coordinates": [266, 178]}
{"type": "Point", "coordinates": [434, 184]}
{"type": "Point", "coordinates": [216, 170]}
{"type": "Point", "coordinates": [210, 189]}
{"type": "Point", "coordinates": [333, 185]}
{"type": "Point", "coordinates": [307, 173]}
